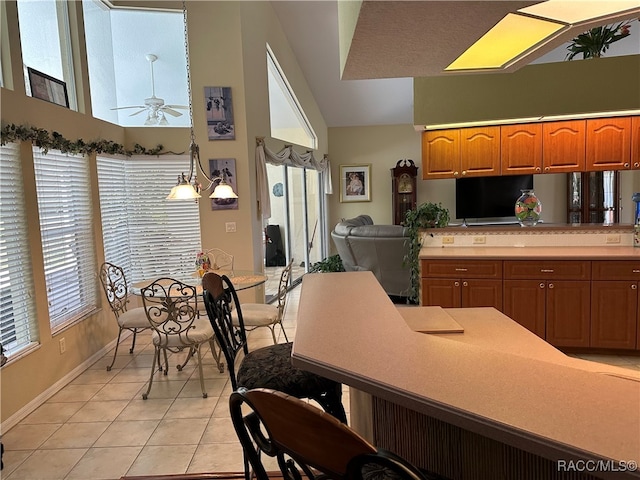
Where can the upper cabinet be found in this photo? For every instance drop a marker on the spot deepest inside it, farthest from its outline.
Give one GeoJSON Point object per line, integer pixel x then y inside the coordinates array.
{"type": "Point", "coordinates": [521, 148]}
{"type": "Point", "coordinates": [563, 146]}
{"type": "Point", "coordinates": [635, 142]}
{"type": "Point", "coordinates": [597, 144]}
{"type": "Point", "coordinates": [608, 143]}
{"type": "Point", "coordinates": [461, 152]}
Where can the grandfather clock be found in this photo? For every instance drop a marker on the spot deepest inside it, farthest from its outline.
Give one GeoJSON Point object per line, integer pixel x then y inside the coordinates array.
{"type": "Point", "coordinates": [403, 188]}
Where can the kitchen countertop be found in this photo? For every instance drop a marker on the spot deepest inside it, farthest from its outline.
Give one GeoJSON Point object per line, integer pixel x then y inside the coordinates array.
{"type": "Point", "coordinates": [531, 253]}
{"type": "Point", "coordinates": [504, 383]}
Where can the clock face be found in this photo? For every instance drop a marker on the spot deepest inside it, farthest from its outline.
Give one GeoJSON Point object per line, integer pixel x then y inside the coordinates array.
{"type": "Point", "coordinates": [405, 185]}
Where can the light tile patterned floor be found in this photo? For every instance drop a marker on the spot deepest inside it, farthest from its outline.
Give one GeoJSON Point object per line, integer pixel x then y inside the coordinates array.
{"type": "Point", "coordinates": [98, 426]}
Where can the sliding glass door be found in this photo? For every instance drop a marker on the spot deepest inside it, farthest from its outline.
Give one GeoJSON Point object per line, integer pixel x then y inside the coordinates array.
{"type": "Point", "coordinates": [293, 232]}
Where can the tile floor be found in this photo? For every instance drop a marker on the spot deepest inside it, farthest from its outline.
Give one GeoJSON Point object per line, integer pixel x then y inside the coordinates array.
{"type": "Point", "coordinates": [98, 426]}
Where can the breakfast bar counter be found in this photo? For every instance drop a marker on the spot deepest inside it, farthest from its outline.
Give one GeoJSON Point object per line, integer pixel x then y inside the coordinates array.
{"type": "Point", "coordinates": [494, 402]}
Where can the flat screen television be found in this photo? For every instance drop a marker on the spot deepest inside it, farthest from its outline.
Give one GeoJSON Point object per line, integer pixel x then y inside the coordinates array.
{"type": "Point", "coordinates": [489, 197]}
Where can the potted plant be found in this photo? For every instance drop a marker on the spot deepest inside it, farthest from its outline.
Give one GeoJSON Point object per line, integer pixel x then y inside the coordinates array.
{"type": "Point", "coordinates": [329, 264]}
{"type": "Point", "coordinates": [427, 215]}
{"type": "Point", "coordinates": [593, 43]}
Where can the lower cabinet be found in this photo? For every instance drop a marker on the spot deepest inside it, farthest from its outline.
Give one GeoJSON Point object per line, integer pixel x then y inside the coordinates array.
{"type": "Point", "coordinates": [461, 283]}
{"type": "Point", "coordinates": [615, 312]}
{"type": "Point", "coordinates": [454, 293]}
{"type": "Point", "coordinates": [557, 311]}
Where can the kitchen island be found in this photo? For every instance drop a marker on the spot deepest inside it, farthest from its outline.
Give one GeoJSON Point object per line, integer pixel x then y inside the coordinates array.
{"type": "Point", "coordinates": [495, 402]}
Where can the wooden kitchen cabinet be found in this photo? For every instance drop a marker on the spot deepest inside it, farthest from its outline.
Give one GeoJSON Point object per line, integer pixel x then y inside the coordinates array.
{"type": "Point", "coordinates": [563, 146]}
{"type": "Point", "coordinates": [521, 149]}
{"type": "Point", "coordinates": [461, 152]}
{"type": "Point", "coordinates": [635, 142]}
{"type": "Point", "coordinates": [608, 144]}
{"type": "Point", "coordinates": [461, 283]}
{"type": "Point", "coordinates": [550, 298]}
{"type": "Point", "coordinates": [615, 316]}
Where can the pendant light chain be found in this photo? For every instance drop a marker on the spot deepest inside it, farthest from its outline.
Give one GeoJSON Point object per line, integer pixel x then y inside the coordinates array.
{"type": "Point", "coordinates": [186, 49]}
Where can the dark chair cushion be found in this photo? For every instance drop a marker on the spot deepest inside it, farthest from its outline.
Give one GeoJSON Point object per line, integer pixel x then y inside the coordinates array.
{"type": "Point", "coordinates": [270, 367]}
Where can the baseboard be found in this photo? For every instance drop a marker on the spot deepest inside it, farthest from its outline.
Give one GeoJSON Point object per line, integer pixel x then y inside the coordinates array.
{"type": "Point", "coordinates": [14, 419]}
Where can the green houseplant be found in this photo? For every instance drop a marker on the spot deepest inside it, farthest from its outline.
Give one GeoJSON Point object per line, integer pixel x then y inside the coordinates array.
{"type": "Point", "coordinates": [329, 264]}
{"type": "Point", "coordinates": [427, 215]}
{"type": "Point", "coordinates": [593, 43]}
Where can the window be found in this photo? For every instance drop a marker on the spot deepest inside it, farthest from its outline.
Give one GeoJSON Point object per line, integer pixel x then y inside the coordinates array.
{"type": "Point", "coordinates": [148, 236]}
{"type": "Point", "coordinates": [45, 41]}
{"type": "Point", "coordinates": [18, 329]}
{"type": "Point", "coordinates": [64, 205]}
{"type": "Point", "coordinates": [288, 120]}
{"type": "Point", "coordinates": [118, 41]}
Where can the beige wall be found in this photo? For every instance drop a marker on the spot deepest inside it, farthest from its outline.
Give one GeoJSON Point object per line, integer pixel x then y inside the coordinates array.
{"type": "Point", "coordinates": [243, 28]}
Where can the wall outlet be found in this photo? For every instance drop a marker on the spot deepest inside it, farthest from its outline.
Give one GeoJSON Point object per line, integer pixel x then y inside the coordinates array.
{"type": "Point", "coordinates": [613, 238]}
{"type": "Point", "coordinates": [63, 345]}
{"type": "Point", "coordinates": [479, 239]}
{"type": "Point", "coordinates": [230, 227]}
{"type": "Point", "coordinates": [448, 240]}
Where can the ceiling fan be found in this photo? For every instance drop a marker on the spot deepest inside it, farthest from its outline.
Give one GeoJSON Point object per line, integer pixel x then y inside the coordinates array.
{"type": "Point", "coordinates": [154, 106]}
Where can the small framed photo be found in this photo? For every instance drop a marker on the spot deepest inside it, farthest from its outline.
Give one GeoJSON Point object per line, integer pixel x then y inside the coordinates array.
{"type": "Point", "coordinates": [227, 167]}
{"type": "Point", "coordinates": [219, 110]}
{"type": "Point", "coordinates": [48, 88]}
{"type": "Point", "coordinates": [355, 183]}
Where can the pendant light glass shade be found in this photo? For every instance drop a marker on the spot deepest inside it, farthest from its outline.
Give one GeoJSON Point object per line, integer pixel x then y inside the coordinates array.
{"type": "Point", "coordinates": [223, 190]}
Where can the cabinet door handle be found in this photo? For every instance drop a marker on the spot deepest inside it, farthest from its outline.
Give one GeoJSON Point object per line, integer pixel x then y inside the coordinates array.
{"type": "Point", "coordinates": [542, 285]}
{"type": "Point", "coordinates": [635, 270]}
{"type": "Point", "coordinates": [464, 172]}
{"type": "Point", "coordinates": [546, 270]}
{"type": "Point", "coordinates": [634, 287]}
{"type": "Point", "coordinates": [461, 269]}
{"type": "Point", "coordinates": [546, 169]}
{"type": "Point", "coordinates": [456, 284]}
{"type": "Point", "coordinates": [636, 164]}
{"type": "Point", "coordinates": [456, 173]}
{"type": "Point", "coordinates": [551, 285]}
{"type": "Point", "coordinates": [626, 165]}
{"type": "Point", "coordinates": [465, 284]}
{"type": "Point", "coordinates": [538, 169]}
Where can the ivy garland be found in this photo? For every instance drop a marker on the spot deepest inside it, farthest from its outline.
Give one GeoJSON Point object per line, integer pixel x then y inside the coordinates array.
{"type": "Point", "coordinates": [55, 141]}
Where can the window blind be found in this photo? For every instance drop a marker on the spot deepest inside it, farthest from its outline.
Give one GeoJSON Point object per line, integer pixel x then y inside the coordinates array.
{"type": "Point", "coordinates": [162, 236]}
{"type": "Point", "coordinates": [66, 229]}
{"type": "Point", "coordinates": [18, 326]}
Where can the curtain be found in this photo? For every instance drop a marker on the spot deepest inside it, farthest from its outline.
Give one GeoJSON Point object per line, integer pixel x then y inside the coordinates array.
{"type": "Point", "coordinates": [286, 156]}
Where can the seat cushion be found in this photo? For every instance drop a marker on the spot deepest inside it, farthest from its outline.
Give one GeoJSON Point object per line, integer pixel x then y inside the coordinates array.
{"type": "Point", "coordinates": [270, 367]}
{"type": "Point", "coordinates": [256, 314]}
{"type": "Point", "coordinates": [201, 332]}
{"type": "Point", "coordinates": [134, 318]}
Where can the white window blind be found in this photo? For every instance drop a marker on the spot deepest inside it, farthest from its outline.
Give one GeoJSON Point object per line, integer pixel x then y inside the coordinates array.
{"type": "Point", "coordinates": [143, 232]}
{"type": "Point", "coordinates": [66, 228]}
{"type": "Point", "coordinates": [18, 328]}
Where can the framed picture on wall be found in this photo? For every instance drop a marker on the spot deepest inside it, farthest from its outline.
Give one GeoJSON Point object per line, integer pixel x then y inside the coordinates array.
{"type": "Point", "coordinates": [355, 183]}
{"type": "Point", "coordinates": [219, 110]}
{"type": "Point", "coordinates": [48, 88]}
{"type": "Point", "coordinates": [218, 167]}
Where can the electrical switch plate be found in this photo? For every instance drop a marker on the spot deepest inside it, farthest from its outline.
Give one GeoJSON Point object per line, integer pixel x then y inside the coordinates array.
{"type": "Point", "coordinates": [63, 345]}
{"type": "Point", "coordinates": [230, 227]}
{"type": "Point", "coordinates": [613, 238]}
{"type": "Point", "coordinates": [447, 240]}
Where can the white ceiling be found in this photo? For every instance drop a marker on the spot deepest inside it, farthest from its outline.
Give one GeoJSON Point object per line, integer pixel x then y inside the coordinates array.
{"type": "Point", "coordinates": [416, 38]}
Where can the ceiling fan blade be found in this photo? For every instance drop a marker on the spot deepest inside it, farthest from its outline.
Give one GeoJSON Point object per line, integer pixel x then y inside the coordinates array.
{"type": "Point", "coordinates": [171, 111]}
{"type": "Point", "coordinates": [138, 112]}
{"type": "Point", "coordinates": [132, 106]}
{"type": "Point", "coordinates": [179, 107]}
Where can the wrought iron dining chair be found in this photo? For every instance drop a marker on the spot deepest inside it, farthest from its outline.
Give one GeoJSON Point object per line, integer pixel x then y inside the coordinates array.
{"type": "Point", "coordinates": [116, 289]}
{"type": "Point", "coordinates": [267, 367]}
{"type": "Point", "coordinates": [256, 315]}
{"type": "Point", "coordinates": [171, 311]}
{"type": "Point", "coordinates": [308, 442]}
